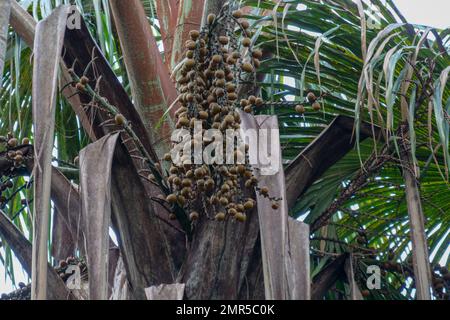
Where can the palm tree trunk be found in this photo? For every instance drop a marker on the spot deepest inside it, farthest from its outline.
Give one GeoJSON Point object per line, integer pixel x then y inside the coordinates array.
{"type": "Point", "coordinates": [153, 91]}
{"type": "Point", "coordinates": [421, 263]}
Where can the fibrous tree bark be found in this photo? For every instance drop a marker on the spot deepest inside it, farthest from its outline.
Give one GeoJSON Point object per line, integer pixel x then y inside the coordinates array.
{"type": "Point", "coordinates": [153, 91]}
{"type": "Point", "coordinates": [189, 18]}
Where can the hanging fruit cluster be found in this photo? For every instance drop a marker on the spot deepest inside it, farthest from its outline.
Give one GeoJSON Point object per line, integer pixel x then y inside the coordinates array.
{"type": "Point", "coordinates": [11, 143]}
{"type": "Point", "coordinates": [22, 293]}
{"type": "Point", "coordinates": [312, 100]}
{"type": "Point", "coordinates": [215, 63]}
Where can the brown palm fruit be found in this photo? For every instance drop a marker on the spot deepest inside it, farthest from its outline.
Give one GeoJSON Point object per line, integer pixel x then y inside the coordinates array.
{"type": "Point", "coordinates": [311, 97]}
{"type": "Point", "coordinates": [246, 42]}
{"type": "Point", "coordinates": [252, 99]}
{"type": "Point", "coordinates": [365, 293]}
{"type": "Point", "coordinates": [231, 60]}
{"type": "Point", "coordinates": [264, 191]}
{"type": "Point", "coordinates": [300, 109]}
{"type": "Point", "coordinates": [259, 102]}
{"type": "Point", "coordinates": [189, 55]}
{"type": "Point", "coordinates": [232, 96]}
{"type": "Point", "coordinates": [220, 83]}
{"type": "Point", "coordinates": [223, 40]}
{"type": "Point", "coordinates": [167, 157]}
{"type": "Point", "coordinates": [220, 216]}
{"type": "Point", "coordinates": [209, 184]}
{"type": "Point", "coordinates": [247, 67]}
{"type": "Point", "coordinates": [119, 119]}
{"type": "Point", "coordinates": [189, 64]}
{"type": "Point", "coordinates": [203, 115]}
{"type": "Point", "coordinates": [240, 217]}
{"type": "Point", "coordinates": [217, 58]}
{"type": "Point", "coordinates": [243, 103]}
{"type": "Point", "coordinates": [248, 109]}
{"type": "Point", "coordinates": [256, 63]}
{"type": "Point", "coordinates": [176, 181]}
{"type": "Point", "coordinates": [316, 106]}
{"type": "Point", "coordinates": [245, 24]}
{"type": "Point", "coordinates": [194, 34]}
{"type": "Point", "coordinates": [232, 212]}
{"type": "Point", "coordinates": [80, 86]}
{"type": "Point", "coordinates": [84, 80]}
{"type": "Point", "coordinates": [257, 54]}
{"type": "Point", "coordinates": [194, 215]}
{"type": "Point", "coordinates": [248, 205]}
{"type": "Point", "coordinates": [191, 45]}
{"type": "Point", "coordinates": [230, 87]}
{"type": "Point", "coordinates": [172, 216]}
{"type": "Point", "coordinates": [223, 201]}
{"type": "Point", "coordinates": [237, 14]}
{"type": "Point", "coordinates": [211, 18]}
{"type": "Point", "coordinates": [13, 142]}
{"type": "Point", "coordinates": [181, 200]}
{"type": "Point", "coordinates": [219, 74]}
{"type": "Point", "coordinates": [275, 205]}
{"type": "Point", "coordinates": [171, 198]}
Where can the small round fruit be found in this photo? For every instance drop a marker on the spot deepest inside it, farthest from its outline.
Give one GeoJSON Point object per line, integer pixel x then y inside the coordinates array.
{"type": "Point", "coordinates": [181, 200]}
{"type": "Point", "coordinates": [246, 42]}
{"type": "Point", "coordinates": [189, 64]}
{"type": "Point", "coordinates": [220, 216]}
{"type": "Point", "coordinates": [245, 24]}
{"type": "Point", "coordinates": [248, 205]}
{"type": "Point", "coordinates": [237, 14]}
{"type": "Point", "coordinates": [316, 106]}
{"type": "Point", "coordinates": [217, 58]}
{"type": "Point", "coordinates": [194, 34]}
{"type": "Point", "coordinates": [247, 67]}
{"type": "Point", "coordinates": [300, 109]}
{"type": "Point", "coordinates": [248, 109]}
{"type": "Point", "coordinates": [25, 141]}
{"type": "Point", "coordinates": [119, 119]}
{"type": "Point", "coordinates": [13, 142]}
{"type": "Point", "coordinates": [223, 40]}
{"type": "Point", "coordinates": [211, 18]}
{"type": "Point", "coordinates": [84, 80]}
{"type": "Point", "coordinates": [167, 157]}
{"type": "Point", "coordinates": [194, 215]}
{"type": "Point", "coordinates": [264, 191]}
{"type": "Point", "coordinates": [240, 217]}
{"type": "Point", "coordinates": [365, 293]}
{"type": "Point", "coordinates": [80, 86]}
{"type": "Point", "coordinates": [172, 216]}
{"type": "Point", "coordinates": [257, 54]}
{"type": "Point", "coordinates": [275, 205]}
{"type": "Point", "coordinates": [171, 198]}
{"type": "Point", "coordinates": [311, 97]}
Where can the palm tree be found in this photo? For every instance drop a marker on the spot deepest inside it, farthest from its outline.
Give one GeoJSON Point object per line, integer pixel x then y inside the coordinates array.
{"type": "Point", "coordinates": [360, 99]}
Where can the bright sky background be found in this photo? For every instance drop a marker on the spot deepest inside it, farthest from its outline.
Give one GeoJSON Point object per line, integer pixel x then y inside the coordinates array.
{"type": "Point", "coordinates": [435, 13]}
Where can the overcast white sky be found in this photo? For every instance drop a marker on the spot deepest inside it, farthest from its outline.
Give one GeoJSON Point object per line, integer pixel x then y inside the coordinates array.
{"type": "Point", "coordinates": [435, 13]}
